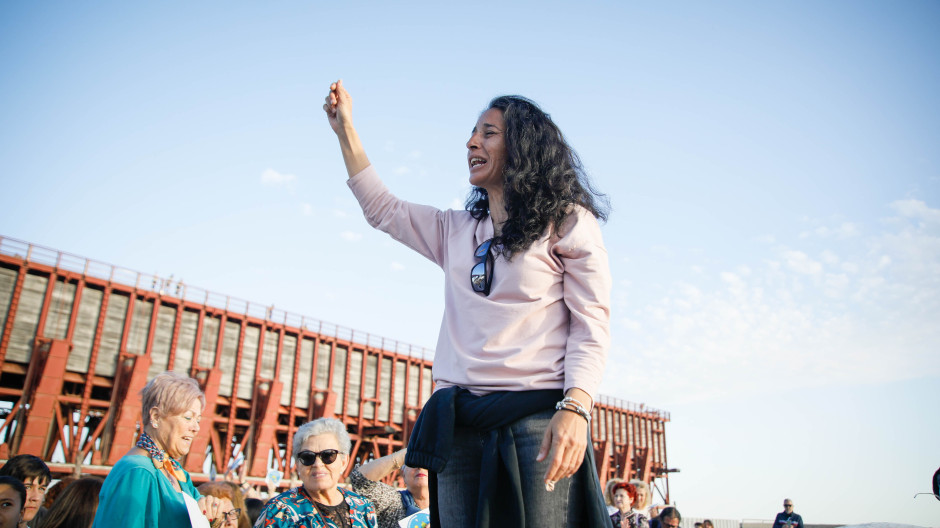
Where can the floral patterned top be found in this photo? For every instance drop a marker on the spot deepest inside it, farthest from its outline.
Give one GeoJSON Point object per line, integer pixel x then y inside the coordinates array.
{"type": "Point", "coordinates": [295, 509]}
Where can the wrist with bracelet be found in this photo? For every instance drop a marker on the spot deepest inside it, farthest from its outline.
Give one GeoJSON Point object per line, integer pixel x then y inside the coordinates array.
{"type": "Point", "coordinates": [572, 405]}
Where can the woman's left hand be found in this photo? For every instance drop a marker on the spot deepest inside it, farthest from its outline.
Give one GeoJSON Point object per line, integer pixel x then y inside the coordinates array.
{"type": "Point", "coordinates": [565, 440]}
{"type": "Point", "coordinates": [211, 507]}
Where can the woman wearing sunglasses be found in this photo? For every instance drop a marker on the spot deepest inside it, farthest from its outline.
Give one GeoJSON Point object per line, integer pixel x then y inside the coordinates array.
{"type": "Point", "coordinates": [321, 452]}
{"type": "Point", "coordinates": [525, 329]}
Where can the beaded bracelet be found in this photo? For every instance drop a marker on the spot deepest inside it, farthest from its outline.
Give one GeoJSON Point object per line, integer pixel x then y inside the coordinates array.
{"type": "Point", "coordinates": [573, 405]}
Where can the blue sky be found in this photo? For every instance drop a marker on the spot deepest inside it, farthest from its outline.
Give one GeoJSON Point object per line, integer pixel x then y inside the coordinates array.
{"type": "Point", "coordinates": [773, 170]}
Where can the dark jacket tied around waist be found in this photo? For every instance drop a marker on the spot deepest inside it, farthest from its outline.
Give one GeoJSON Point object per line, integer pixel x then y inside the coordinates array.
{"type": "Point", "coordinates": [500, 482]}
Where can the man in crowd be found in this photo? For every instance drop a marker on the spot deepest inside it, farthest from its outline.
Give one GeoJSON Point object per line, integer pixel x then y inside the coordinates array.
{"type": "Point", "coordinates": [668, 518]}
{"type": "Point", "coordinates": [35, 476]}
{"type": "Point", "coordinates": [786, 518]}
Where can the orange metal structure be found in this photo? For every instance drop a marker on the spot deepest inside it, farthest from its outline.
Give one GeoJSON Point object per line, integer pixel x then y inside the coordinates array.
{"type": "Point", "coordinates": [79, 339]}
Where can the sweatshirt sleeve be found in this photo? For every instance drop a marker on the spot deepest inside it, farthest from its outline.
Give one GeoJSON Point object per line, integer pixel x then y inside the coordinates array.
{"type": "Point", "coordinates": [587, 286]}
{"type": "Point", "coordinates": [420, 227]}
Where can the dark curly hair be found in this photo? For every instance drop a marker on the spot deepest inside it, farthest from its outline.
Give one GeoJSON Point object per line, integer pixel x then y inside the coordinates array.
{"type": "Point", "coordinates": [542, 178]}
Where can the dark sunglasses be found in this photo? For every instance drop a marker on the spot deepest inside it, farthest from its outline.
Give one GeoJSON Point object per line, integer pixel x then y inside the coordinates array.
{"type": "Point", "coordinates": [481, 275]}
{"type": "Point", "coordinates": [328, 456]}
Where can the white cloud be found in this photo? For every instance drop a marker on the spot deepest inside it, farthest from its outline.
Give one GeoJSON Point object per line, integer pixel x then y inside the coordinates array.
{"type": "Point", "coordinates": [306, 209]}
{"type": "Point", "coordinates": [829, 258]}
{"type": "Point", "coordinates": [801, 263]}
{"type": "Point", "coordinates": [272, 178]}
{"type": "Point", "coordinates": [402, 170]}
{"type": "Point", "coordinates": [397, 266]}
{"type": "Point", "coordinates": [844, 230]}
{"type": "Point", "coordinates": [867, 311]}
{"type": "Point", "coordinates": [414, 154]}
{"type": "Point", "coordinates": [918, 210]}
{"type": "Point", "coordinates": [350, 236]}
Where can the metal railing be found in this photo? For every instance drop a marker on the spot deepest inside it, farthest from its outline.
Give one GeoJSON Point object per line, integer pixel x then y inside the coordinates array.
{"type": "Point", "coordinates": [33, 253]}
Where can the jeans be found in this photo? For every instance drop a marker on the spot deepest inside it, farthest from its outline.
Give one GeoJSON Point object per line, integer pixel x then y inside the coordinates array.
{"type": "Point", "coordinates": [458, 486]}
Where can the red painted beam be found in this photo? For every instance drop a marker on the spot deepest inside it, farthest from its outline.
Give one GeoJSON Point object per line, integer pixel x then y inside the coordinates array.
{"type": "Point", "coordinates": [53, 356]}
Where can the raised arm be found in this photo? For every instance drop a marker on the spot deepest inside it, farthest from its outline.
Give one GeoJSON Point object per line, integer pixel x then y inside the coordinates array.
{"type": "Point", "coordinates": [338, 108]}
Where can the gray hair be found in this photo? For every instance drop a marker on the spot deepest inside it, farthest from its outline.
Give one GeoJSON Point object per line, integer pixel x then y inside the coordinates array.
{"type": "Point", "coordinates": [171, 393]}
{"type": "Point", "coordinates": [322, 426]}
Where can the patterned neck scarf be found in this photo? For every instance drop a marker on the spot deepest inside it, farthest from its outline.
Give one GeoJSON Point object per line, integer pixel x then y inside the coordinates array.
{"type": "Point", "coordinates": [161, 460]}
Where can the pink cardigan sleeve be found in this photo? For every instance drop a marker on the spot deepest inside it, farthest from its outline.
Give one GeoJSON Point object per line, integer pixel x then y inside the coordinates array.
{"type": "Point", "coordinates": [420, 227]}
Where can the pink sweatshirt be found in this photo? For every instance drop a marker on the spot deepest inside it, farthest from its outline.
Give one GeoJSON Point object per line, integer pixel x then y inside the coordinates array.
{"type": "Point", "coordinates": [546, 321]}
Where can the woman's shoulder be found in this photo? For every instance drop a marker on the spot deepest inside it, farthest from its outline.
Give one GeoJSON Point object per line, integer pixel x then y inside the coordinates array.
{"type": "Point", "coordinates": [129, 463]}
{"type": "Point", "coordinates": [580, 229]}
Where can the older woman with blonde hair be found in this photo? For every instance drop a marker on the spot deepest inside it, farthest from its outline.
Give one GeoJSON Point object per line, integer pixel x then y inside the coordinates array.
{"type": "Point", "coordinates": [148, 486]}
{"type": "Point", "coordinates": [321, 450]}
{"type": "Point", "coordinates": [644, 498]}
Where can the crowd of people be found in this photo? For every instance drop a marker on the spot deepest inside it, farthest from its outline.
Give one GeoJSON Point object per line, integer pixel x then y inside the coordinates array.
{"type": "Point", "coordinates": [149, 488]}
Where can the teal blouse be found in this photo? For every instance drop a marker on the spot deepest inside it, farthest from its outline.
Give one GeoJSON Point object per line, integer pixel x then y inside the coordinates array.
{"type": "Point", "coordinates": [136, 495]}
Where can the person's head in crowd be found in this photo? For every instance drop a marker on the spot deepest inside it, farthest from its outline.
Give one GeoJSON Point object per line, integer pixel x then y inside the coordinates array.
{"type": "Point", "coordinates": [699, 525]}
{"type": "Point", "coordinates": [12, 500]}
{"type": "Point", "coordinates": [416, 480]}
{"type": "Point", "coordinates": [254, 507]}
{"type": "Point", "coordinates": [172, 406]}
{"type": "Point", "coordinates": [609, 490]}
{"type": "Point", "coordinates": [53, 492]}
{"type": "Point", "coordinates": [76, 505]}
{"type": "Point", "coordinates": [670, 518]}
{"type": "Point", "coordinates": [787, 506]}
{"type": "Point", "coordinates": [238, 500]}
{"type": "Point", "coordinates": [35, 476]}
{"type": "Point", "coordinates": [321, 453]}
{"type": "Point", "coordinates": [624, 496]}
{"type": "Point", "coordinates": [707, 523]}
{"type": "Point", "coordinates": [642, 494]}
{"type": "Point", "coordinates": [226, 493]}
{"type": "Point", "coordinates": [321, 448]}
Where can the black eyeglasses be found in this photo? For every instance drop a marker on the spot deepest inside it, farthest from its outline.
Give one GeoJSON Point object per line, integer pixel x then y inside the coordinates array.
{"type": "Point", "coordinates": [232, 515]}
{"type": "Point", "coordinates": [481, 275]}
{"type": "Point", "coordinates": [328, 456]}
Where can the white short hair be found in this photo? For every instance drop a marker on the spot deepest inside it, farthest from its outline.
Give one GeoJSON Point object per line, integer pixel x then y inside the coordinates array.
{"type": "Point", "coordinates": [322, 426]}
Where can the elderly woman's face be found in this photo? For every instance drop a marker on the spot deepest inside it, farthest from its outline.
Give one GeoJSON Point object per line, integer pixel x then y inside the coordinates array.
{"type": "Point", "coordinates": [175, 433]}
{"type": "Point", "coordinates": [320, 478]}
{"type": "Point", "coordinates": [486, 150]}
{"type": "Point", "coordinates": [416, 479]}
{"type": "Point", "coordinates": [622, 500]}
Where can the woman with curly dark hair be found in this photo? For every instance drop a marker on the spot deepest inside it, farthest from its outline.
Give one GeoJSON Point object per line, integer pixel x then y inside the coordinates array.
{"type": "Point", "coordinates": [523, 339]}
